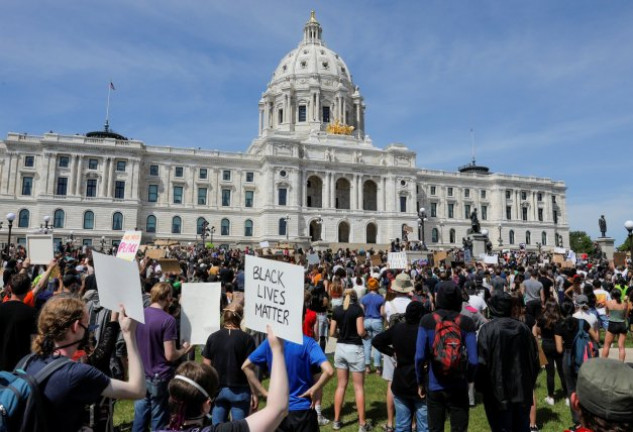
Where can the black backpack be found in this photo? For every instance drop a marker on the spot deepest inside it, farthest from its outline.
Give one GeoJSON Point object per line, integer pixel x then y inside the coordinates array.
{"type": "Point", "coordinates": [21, 408]}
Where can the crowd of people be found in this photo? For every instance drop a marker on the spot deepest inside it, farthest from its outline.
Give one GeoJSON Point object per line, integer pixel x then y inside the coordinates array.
{"type": "Point", "coordinates": [443, 336]}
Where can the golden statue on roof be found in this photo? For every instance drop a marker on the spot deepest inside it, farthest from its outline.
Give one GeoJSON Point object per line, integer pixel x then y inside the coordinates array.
{"type": "Point", "coordinates": [338, 128]}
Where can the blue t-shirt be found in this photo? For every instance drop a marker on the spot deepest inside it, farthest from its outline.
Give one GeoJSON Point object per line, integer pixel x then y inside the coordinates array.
{"type": "Point", "coordinates": [372, 302]}
{"type": "Point", "coordinates": [299, 361]}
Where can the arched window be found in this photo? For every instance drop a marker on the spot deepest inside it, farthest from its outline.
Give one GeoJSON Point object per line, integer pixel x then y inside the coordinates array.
{"type": "Point", "coordinates": [200, 225]}
{"type": "Point", "coordinates": [282, 226]}
{"type": "Point", "coordinates": [435, 235]}
{"type": "Point", "coordinates": [176, 225]}
{"type": "Point", "coordinates": [58, 218]}
{"type": "Point", "coordinates": [343, 232]}
{"type": "Point", "coordinates": [150, 224]}
{"type": "Point", "coordinates": [225, 227]}
{"type": "Point", "coordinates": [511, 236]}
{"type": "Point", "coordinates": [117, 221]}
{"type": "Point", "coordinates": [528, 238]}
{"type": "Point", "coordinates": [23, 219]}
{"type": "Point", "coordinates": [544, 238]}
{"type": "Point", "coordinates": [89, 220]}
{"type": "Point", "coordinates": [248, 228]}
{"type": "Point", "coordinates": [451, 236]}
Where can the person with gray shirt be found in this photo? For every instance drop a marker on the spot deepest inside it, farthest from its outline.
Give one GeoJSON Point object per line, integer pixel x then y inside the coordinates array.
{"type": "Point", "coordinates": [534, 294]}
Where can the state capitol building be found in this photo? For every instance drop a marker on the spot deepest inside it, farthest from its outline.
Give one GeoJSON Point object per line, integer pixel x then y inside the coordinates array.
{"type": "Point", "coordinates": [311, 175]}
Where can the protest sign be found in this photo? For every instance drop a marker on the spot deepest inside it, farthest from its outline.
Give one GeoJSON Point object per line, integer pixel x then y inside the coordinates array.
{"type": "Point", "coordinates": [264, 244]}
{"type": "Point", "coordinates": [568, 264]}
{"type": "Point", "coordinates": [560, 250]}
{"type": "Point", "coordinates": [40, 248]}
{"type": "Point", "coordinates": [558, 258]}
{"type": "Point", "coordinates": [313, 259]}
{"type": "Point", "coordinates": [155, 253]}
{"type": "Point", "coordinates": [397, 260]}
{"type": "Point", "coordinates": [619, 258]}
{"type": "Point", "coordinates": [491, 259]}
{"type": "Point", "coordinates": [376, 260]}
{"type": "Point", "coordinates": [200, 313]}
{"type": "Point", "coordinates": [273, 295]}
{"type": "Point", "coordinates": [169, 266]}
{"type": "Point", "coordinates": [129, 245]}
{"type": "Point", "coordinates": [119, 283]}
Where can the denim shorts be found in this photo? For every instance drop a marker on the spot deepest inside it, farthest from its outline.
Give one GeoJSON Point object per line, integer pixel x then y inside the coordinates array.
{"type": "Point", "coordinates": [349, 357]}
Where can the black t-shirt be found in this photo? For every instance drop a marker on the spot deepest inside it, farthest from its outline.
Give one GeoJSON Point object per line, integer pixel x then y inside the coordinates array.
{"type": "Point", "coordinates": [17, 324]}
{"type": "Point", "coordinates": [227, 350]}
{"type": "Point", "coordinates": [234, 426]}
{"type": "Point", "coordinates": [346, 322]}
{"type": "Point", "coordinates": [546, 333]}
{"type": "Point", "coordinates": [547, 286]}
{"type": "Point", "coordinates": [569, 332]}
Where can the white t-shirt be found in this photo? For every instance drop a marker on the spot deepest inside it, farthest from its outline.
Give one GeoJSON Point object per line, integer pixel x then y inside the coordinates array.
{"type": "Point", "coordinates": [602, 296]}
{"type": "Point", "coordinates": [477, 302]}
{"type": "Point", "coordinates": [590, 318]}
{"type": "Point", "coordinates": [399, 304]}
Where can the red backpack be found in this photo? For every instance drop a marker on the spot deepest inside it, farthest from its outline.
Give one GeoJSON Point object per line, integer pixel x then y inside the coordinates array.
{"type": "Point", "coordinates": [449, 353]}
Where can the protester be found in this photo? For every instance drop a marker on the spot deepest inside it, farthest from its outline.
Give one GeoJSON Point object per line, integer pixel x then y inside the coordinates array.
{"type": "Point", "coordinates": [373, 306]}
{"type": "Point", "coordinates": [617, 310]}
{"type": "Point", "coordinates": [545, 329]}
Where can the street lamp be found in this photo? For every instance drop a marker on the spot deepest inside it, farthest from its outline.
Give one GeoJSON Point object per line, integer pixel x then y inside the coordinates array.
{"type": "Point", "coordinates": [628, 225]}
{"type": "Point", "coordinates": [204, 231]}
{"type": "Point", "coordinates": [287, 218]}
{"type": "Point", "coordinates": [319, 222]}
{"type": "Point", "coordinates": [500, 238]}
{"type": "Point", "coordinates": [46, 227]}
{"type": "Point", "coordinates": [10, 218]}
{"type": "Point", "coordinates": [421, 219]}
{"type": "Point", "coordinates": [103, 242]}
{"type": "Point", "coordinates": [211, 231]}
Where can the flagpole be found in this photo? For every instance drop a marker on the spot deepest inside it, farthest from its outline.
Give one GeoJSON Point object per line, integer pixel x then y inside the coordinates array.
{"type": "Point", "coordinates": [107, 123]}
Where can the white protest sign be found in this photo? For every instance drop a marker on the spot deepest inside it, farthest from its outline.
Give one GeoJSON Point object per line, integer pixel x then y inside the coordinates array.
{"type": "Point", "coordinates": [491, 259]}
{"type": "Point", "coordinates": [40, 248]}
{"type": "Point", "coordinates": [200, 313]}
{"type": "Point", "coordinates": [264, 244]}
{"type": "Point", "coordinates": [273, 295]}
{"type": "Point", "coordinates": [119, 283]}
{"type": "Point", "coordinates": [313, 259]}
{"type": "Point", "coordinates": [560, 250]}
{"type": "Point", "coordinates": [397, 260]}
{"type": "Point", "coordinates": [129, 245]}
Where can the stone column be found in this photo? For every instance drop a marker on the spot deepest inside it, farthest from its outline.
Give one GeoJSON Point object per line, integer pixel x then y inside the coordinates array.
{"type": "Point", "coordinates": [78, 175]}
{"type": "Point", "coordinates": [50, 173]}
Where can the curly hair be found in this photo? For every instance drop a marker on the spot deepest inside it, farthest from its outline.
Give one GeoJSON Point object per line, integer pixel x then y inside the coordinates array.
{"type": "Point", "coordinates": [57, 315]}
{"type": "Point", "coordinates": [598, 424]}
{"type": "Point", "coordinates": [185, 400]}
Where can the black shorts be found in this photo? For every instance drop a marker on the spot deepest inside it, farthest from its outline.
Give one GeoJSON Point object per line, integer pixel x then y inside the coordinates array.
{"type": "Point", "coordinates": [616, 328]}
{"type": "Point", "coordinates": [300, 421]}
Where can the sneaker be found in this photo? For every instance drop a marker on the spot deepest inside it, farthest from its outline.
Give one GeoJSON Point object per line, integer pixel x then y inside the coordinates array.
{"type": "Point", "coordinates": [534, 428]}
{"type": "Point", "coordinates": [567, 401]}
{"type": "Point", "coordinates": [322, 420]}
{"type": "Point", "coordinates": [364, 428]}
{"type": "Point", "coordinates": [336, 425]}
{"type": "Point", "coordinates": [549, 400]}
{"type": "Point", "coordinates": [388, 428]}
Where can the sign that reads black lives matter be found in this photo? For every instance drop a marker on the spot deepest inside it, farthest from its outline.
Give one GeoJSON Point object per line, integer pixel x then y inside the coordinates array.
{"type": "Point", "coordinates": [273, 295]}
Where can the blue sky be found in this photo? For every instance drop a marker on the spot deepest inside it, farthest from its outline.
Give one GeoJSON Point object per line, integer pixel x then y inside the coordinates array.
{"type": "Point", "coordinates": [546, 85]}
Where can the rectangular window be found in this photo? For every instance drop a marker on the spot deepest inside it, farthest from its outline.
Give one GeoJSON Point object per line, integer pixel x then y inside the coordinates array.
{"type": "Point", "coordinates": [203, 173]}
{"type": "Point", "coordinates": [202, 196]}
{"type": "Point", "coordinates": [280, 116]}
{"type": "Point", "coordinates": [93, 164]}
{"type": "Point", "coordinates": [539, 197]}
{"type": "Point", "coordinates": [226, 197]}
{"type": "Point", "coordinates": [450, 191]}
{"type": "Point", "coordinates": [451, 211]}
{"type": "Point", "coordinates": [64, 161]}
{"type": "Point", "coordinates": [467, 211]}
{"type": "Point", "coordinates": [484, 212]}
{"type": "Point", "coordinates": [524, 213]}
{"type": "Point", "coordinates": [153, 170]}
{"type": "Point", "coordinates": [120, 166]}
{"type": "Point", "coordinates": [403, 204]}
{"type": "Point", "coordinates": [433, 209]}
{"type": "Point", "coordinates": [91, 188]}
{"type": "Point", "coordinates": [508, 194]}
{"type": "Point", "coordinates": [177, 194]}
{"type": "Point", "coordinates": [86, 242]}
{"type": "Point", "coordinates": [179, 171]}
{"type": "Point", "coordinates": [62, 186]}
{"type": "Point", "coordinates": [466, 193]}
{"type": "Point", "coordinates": [326, 114]}
{"type": "Point", "coordinates": [29, 161]}
{"type": "Point", "coordinates": [283, 192]}
{"type": "Point", "coordinates": [523, 195]}
{"type": "Point", "coordinates": [226, 175]}
{"type": "Point", "coordinates": [433, 189]}
{"type": "Point", "coordinates": [555, 217]}
{"type": "Point", "coordinates": [508, 212]}
{"type": "Point", "coordinates": [248, 199]}
{"type": "Point", "coordinates": [540, 215]}
{"type": "Point", "coordinates": [27, 185]}
{"type": "Point", "coordinates": [302, 113]}
{"type": "Point", "coordinates": [554, 198]}
{"type": "Point", "coordinates": [119, 189]}
{"type": "Point", "coordinates": [249, 177]}
{"type": "Point", "coordinates": [483, 194]}
{"type": "Point", "coordinates": [152, 193]}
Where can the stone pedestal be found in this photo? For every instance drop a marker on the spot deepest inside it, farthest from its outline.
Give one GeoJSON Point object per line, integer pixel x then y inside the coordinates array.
{"type": "Point", "coordinates": [607, 246]}
{"type": "Point", "coordinates": [479, 244]}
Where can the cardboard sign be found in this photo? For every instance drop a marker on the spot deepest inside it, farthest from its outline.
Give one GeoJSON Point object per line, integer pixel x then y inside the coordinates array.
{"type": "Point", "coordinates": [397, 260]}
{"type": "Point", "coordinates": [200, 314]}
{"type": "Point", "coordinates": [273, 295]}
{"type": "Point", "coordinates": [40, 248]}
{"type": "Point", "coordinates": [376, 260]}
{"type": "Point", "coordinates": [313, 259]}
{"type": "Point", "coordinates": [439, 256]}
{"type": "Point", "coordinates": [155, 253]}
{"type": "Point", "coordinates": [619, 258]}
{"type": "Point", "coordinates": [129, 245]}
{"type": "Point", "coordinates": [119, 283]}
{"type": "Point", "coordinates": [169, 266]}
{"type": "Point", "coordinates": [568, 264]}
{"type": "Point", "coordinates": [558, 259]}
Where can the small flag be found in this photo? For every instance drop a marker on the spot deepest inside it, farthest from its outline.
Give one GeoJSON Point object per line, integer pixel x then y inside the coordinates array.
{"type": "Point", "coordinates": [112, 86]}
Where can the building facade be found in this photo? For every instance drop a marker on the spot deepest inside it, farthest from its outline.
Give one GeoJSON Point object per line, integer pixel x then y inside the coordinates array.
{"type": "Point", "coordinates": [311, 175]}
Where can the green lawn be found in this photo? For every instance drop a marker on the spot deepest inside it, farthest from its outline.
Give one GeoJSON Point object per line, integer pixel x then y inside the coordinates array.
{"type": "Point", "coordinates": [552, 418]}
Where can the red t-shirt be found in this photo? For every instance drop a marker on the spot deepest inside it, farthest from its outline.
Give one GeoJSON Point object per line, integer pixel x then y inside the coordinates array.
{"type": "Point", "coordinates": [308, 323]}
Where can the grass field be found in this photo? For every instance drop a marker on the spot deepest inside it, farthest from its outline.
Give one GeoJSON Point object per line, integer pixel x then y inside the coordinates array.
{"type": "Point", "coordinates": [552, 418]}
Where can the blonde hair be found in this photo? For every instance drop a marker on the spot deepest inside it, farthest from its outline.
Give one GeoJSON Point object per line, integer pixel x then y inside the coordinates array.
{"type": "Point", "coordinates": [160, 292]}
{"type": "Point", "coordinates": [350, 297]}
{"type": "Point", "coordinates": [56, 317]}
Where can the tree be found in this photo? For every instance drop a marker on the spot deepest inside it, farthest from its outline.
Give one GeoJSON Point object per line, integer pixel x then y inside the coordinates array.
{"type": "Point", "coordinates": [626, 246]}
{"type": "Point", "coordinates": [580, 242]}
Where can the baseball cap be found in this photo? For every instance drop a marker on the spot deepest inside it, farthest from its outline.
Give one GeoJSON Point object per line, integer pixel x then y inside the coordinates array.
{"type": "Point", "coordinates": [582, 300]}
{"type": "Point", "coordinates": [605, 389]}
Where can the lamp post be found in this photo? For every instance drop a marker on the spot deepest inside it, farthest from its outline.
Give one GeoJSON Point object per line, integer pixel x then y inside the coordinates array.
{"type": "Point", "coordinates": [319, 222]}
{"type": "Point", "coordinates": [421, 219]}
{"type": "Point", "coordinates": [211, 231]}
{"type": "Point", "coordinates": [287, 218]}
{"type": "Point", "coordinates": [204, 232]}
{"type": "Point", "coordinates": [10, 218]}
{"type": "Point", "coordinates": [500, 238]}
{"type": "Point", "coordinates": [628, 225]}
{"type": "Point", "coordinates": [103, 242]}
